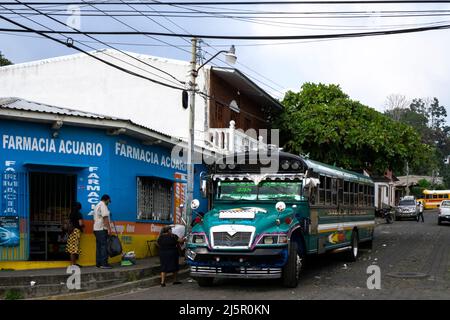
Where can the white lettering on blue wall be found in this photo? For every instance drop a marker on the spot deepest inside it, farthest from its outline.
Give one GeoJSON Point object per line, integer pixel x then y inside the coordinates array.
{"type": "Point", "coordinates": [93, 186]}
{"type": "Point", "coordinates": [10, 188]}
{"type": "Point", "coordinates": [139, 154]}
{"type": "Point", "coordinates": [23, 143]}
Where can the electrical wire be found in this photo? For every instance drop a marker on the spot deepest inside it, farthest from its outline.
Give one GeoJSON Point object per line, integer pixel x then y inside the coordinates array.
{"type": "Point", "coordinates": [246, 37]}
{"type": "Point", "coordinates": [43, 34]}
{"type": "Point", "coordinates": [124, 53]}
{"type": "Point", "coordinates": [252, 3]}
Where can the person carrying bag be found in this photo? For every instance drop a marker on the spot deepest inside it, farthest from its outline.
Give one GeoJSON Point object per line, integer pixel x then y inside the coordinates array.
{"type": "Point", "coordinates": [114, 245]}
{"type": "Point", "coordinates": [102, 230]}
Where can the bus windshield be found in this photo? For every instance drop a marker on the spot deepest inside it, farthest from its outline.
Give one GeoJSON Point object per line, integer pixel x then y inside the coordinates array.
{"type": "Point", "coordinates": [267, 190]}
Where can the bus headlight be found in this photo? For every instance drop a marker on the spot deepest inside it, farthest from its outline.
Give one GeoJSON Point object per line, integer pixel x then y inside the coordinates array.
{"type": "Point", "coordinates": [197, 239]}
{"type": "Point", "coordinates": [276, 239]}
{"type": "Point", "coordinates": [280, 206]}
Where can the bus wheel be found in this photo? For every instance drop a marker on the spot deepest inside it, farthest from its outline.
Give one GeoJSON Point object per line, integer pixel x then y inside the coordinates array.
{"type": "Point", "coordinates": [205, 282]}
{"type": "Point", "coordinates": [352, 254]}
{"type": "Point", "coordinates": [291, 271]}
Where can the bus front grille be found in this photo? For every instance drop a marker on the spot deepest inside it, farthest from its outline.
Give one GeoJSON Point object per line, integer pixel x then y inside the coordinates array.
{"type": "Point", "coordinates": [239, 239]}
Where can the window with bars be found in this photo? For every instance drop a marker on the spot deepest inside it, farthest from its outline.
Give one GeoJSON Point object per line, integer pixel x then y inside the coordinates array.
{"type": "Point", "coordinates": [155, 199]}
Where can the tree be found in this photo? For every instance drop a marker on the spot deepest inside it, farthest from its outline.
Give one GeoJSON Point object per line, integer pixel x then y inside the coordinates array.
{"type": "Point", "coordinates": [437, 114]}
{"type": "Point", "coordinates": [395, 104]}
{"type": "Point", "coordinates": [323, 121]}
{"type": "Point", "coordinates": [4, 61]}
{"type": "Point", "coordinates": [427, 116]}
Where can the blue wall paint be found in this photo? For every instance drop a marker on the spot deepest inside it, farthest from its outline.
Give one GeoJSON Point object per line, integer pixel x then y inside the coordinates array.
{"type": "Point", "coordinates": [116, 171]}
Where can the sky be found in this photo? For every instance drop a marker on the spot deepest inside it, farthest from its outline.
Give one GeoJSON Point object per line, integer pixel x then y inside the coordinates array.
{"type": "Point", "coordinates": [368, 69]}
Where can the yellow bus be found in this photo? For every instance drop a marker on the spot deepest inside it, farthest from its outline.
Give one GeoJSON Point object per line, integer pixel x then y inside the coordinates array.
{"type": "Point", "coordinates": [432, 198]}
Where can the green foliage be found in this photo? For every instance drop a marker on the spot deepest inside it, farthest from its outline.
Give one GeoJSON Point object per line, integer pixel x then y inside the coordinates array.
{"type": "Point", "coordinates": [3, 60]}
{"type": "Point", "coordinates": [323, 121]}
{"type": "Point", "coordinates": [417, 191]}
{"type": "Point", "coordinates": [13, 294]}
{"type": "Point", "coordinates": [428, 117]}
{"type": "Point", "coordinates": [423, 183]}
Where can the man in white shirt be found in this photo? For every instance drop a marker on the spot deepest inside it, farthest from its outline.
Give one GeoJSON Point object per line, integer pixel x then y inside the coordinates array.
{"type": "Point", "coordinates": [102, 228]}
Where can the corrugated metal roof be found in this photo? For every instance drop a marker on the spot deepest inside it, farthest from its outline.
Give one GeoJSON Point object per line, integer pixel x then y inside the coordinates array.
{"type": "Point", "coordinates": [25, 105]}
{"type": "Point", "coordinates": [14, 103]}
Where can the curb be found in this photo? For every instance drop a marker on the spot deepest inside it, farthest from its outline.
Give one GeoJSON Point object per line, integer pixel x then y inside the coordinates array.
{"type": "Point", "coordinates": [117, 289]}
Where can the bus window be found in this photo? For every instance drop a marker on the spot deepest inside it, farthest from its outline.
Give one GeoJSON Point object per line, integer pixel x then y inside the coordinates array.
{"type": "Point", "coordinates": [366, 195]}
{"type": "Point", "coordinates": [321, 197]}
{"type": "Point", "coordinates": [334, 191]}
{"type": "Point", "coordinates": [372, 196]}
{"type": "Point", "coordinates": [352, 193]}
{"type": "Point", "coordinates": [445, 196]}
{"type": "Point", "coordinates": [434, 196]}
{"type": "Point", "coordinates": [328, 190]}
{"type": "Point", "coordinates": [346, 195]}
{"type": "Point", "coordinates": [361, 195]}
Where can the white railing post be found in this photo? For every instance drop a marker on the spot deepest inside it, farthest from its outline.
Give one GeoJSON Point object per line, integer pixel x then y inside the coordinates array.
{"type": "Point", "coordinates": [232, 130]}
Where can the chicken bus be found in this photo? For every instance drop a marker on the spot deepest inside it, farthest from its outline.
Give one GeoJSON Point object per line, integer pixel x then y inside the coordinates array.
{"type": "Point", "coordinates": [431, 199]}
{"type": "Point", "coordinates": [263, 224]}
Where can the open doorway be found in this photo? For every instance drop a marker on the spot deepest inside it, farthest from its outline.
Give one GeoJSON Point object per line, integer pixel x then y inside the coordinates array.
{"type": "Point", "coordinates": [51, 197]}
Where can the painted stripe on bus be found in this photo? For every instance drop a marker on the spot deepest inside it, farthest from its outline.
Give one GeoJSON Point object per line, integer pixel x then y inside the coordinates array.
{"type": "Point", "coordinates": [346, 225]}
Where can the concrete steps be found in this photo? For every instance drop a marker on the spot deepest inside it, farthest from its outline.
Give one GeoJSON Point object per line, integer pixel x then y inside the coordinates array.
{"type": "Point", "coordinates": [52, 282]}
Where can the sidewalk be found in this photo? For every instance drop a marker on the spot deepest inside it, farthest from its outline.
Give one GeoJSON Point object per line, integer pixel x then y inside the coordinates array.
{"type": "Point", "coordinates": [52, 282]}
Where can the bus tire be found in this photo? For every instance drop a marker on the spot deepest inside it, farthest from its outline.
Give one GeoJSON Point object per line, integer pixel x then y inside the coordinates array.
{"type": "Point", "coordinates": [291, 270]}
{"type": "Point", "coordinates": [205, 282]}
{"type": "Point", "coordinates": [352, 254]}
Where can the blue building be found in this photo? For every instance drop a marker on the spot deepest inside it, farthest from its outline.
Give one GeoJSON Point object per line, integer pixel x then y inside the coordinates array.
{"type": "Point", "coordinates": [51, 157]}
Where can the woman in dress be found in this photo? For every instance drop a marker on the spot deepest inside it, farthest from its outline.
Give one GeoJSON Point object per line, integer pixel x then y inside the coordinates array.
{"type": "Point", "coordinates": [169, 254]}
{"type": "Point", "coordinates": [75, 229]}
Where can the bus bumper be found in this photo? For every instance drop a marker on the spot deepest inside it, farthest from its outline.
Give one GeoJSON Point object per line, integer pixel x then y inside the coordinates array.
{"type": "Point", "coordinates": [258, 264]}
{"type": "Point", "coordinates": [236, 272]}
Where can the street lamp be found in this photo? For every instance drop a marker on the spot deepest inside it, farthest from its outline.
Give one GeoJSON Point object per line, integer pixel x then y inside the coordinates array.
{"type": "Point", "coordinates": [231, 58]}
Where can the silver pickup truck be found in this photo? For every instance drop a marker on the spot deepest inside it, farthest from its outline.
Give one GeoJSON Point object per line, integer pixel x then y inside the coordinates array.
{"type": "Point", "coordinates": [407, 209]}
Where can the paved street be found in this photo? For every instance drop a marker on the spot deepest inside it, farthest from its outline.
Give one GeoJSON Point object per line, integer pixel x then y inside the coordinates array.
{"type": "Point", "coordinates": [418, 250]}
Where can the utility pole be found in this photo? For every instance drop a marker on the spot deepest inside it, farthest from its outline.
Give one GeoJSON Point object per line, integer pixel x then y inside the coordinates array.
{"type": "Point", "coordinates": [231, 58]}
{"type": "Point", "coordinates": [407, 178]}
{"type": "Point", "coordinates": [191, 139]}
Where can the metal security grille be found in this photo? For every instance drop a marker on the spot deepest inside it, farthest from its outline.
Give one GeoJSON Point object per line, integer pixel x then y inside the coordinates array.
{"type": "Point", "coordinates": [51, 197]}
{"type": "Point", "coordinates": [155, 199]}
{"type": "Point", "coordinates": [239, 239]}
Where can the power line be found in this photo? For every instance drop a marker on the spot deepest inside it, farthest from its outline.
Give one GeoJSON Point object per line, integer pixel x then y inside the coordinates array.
{"type": "Point", "coordinates": [246, 37]}
{"type": "Point", "coordinates": [43, 34]}
{"type": "Point", "coordinates": [245, 3]}
{"type": "Point", "coordinates": [124, 53]}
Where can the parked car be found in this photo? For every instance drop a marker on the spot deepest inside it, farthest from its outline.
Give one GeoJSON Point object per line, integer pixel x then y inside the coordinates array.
{"type": "Point", "coordinates": [407, 208]}
{"type": "Point", "coordinates": [444, 212]}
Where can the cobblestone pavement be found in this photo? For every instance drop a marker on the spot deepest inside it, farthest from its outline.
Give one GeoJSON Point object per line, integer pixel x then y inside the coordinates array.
{"type": "Point", "coordinates": [414, 259]}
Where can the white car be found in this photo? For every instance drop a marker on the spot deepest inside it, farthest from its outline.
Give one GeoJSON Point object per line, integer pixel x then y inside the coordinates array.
{"type": "Point", "coordinates": [444, 211]}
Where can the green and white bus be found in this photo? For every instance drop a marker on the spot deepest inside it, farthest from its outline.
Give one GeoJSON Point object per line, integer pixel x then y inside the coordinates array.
{"type": "Point", "coordinates": [263, 224]}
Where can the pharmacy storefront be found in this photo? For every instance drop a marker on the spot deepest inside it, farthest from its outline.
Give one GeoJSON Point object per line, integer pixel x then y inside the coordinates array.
{"type": "Point", "coordinates": [47, 164]}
